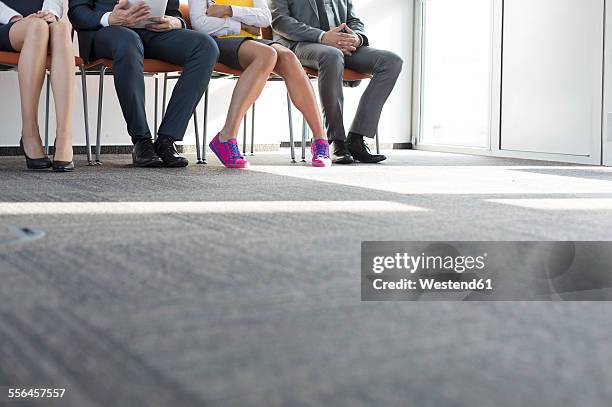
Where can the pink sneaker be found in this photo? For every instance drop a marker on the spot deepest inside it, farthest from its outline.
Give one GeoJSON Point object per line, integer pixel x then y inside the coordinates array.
{"type": "Point", "coordinates": [228, 153]}
{"type": "Point", "coordinates": [320, 153]}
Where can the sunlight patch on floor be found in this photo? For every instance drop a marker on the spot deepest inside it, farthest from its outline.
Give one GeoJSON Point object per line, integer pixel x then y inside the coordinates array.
{"type": "Point", "coordinates": [577, 204]}
{"type": "Point", "coordinates": [452, 180]}
{"type": "Point", "coordinates": [229, 207]}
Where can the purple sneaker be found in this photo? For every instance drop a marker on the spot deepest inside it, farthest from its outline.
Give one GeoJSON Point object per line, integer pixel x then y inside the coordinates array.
{"type": "Point", "coordinates": [228, 153]}
{"type": "Point", "coordinates": [320, 153]}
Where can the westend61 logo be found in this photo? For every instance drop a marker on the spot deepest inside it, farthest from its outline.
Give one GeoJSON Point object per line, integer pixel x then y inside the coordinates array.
{"type": "Point", "coordinates": [486, 271]}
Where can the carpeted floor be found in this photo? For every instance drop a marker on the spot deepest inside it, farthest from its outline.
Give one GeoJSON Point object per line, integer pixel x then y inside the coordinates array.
{"type": "Point", "coordinates": [203, 286]}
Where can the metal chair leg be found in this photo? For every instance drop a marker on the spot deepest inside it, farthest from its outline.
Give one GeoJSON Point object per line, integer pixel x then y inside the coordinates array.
{"type": "Point", "coordinates": [47, 113]}
{"type": "Point", "coordinates": [377, 143]}
{"type": "Point", "coordinates": [205, 128]}
{"type": "Point", "coordinates": [164, 94]}
{"type": "Point", "coordinates": [99, 124]}
{"type": "Point", "coordinates": [244, 132]}
{"type": "Point", "coordinates": [197, 135]}
{"type": "Point", "coordinates": [253, 130]}
{"type": "Point", "coordinates": [291, 140]}
{"type": "Point", "coordinates": [86, 113]}
{"type": "Point", "coordinates": [156, 104]}
{"type": "Point", "coordinates": [304, 132]}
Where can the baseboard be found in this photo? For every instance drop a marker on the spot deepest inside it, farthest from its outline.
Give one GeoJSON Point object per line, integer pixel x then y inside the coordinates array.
{"type": "Point", "coordinates": [190, 148]}
{"type": "Point", "coordinates": [183, 149]}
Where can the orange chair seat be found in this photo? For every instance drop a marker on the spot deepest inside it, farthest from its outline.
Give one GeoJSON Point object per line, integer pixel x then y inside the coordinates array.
{"type": "Point", "coordinates": [12, 59]}
{"type": "Point", "coordinates": [226, 70]}
{"type": "Point", "coordinates": [150, 65]}
{"type": "Point", "coordinates": [154, 66]}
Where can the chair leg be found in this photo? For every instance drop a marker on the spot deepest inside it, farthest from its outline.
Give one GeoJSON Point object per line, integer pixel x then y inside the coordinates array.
{"type": "Point", "coordinates": [47, 103]}
{"type": "Point", "coordinates": [244, 133]}
{"type": "Point", "coordinates": [156, 105]}
{"type": "Point", "coordinates": [291, 140]}
{"type": "Point", "coordinates": [253, 130]}
{"type": "Point", "coordinates": [164, 95]}
{"type": "Point", "coordinates": [377, 143]}
{"type": "Point", "coordinates": [86, 113]}
{"type": "Point", "coordinates": [304, 133]}
{"type": "Point", "coordinates": [99, 124]}
{"type": "Point", "coordinates": [205, 128]}
{"type": "Point", "coordinates": [197, 135]}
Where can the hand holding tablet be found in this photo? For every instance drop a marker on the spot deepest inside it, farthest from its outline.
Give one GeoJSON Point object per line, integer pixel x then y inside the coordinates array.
{"type": "Point", "coordinates": [138, 13]}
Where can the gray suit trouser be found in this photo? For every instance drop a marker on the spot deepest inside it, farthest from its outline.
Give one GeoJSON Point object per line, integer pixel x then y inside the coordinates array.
{"type": "Point", "coordinates": [385, 66]}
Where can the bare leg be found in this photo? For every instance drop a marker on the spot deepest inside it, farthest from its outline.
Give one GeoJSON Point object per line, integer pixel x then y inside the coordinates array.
{"type": "Point", "coordinates": [30, 36]}
{"type": "Point", "coordinates": [302, 94]}
{"type": "Point", "coordinates": [62, 82]}
{"type": "Point", "coordinates": [259, 60]}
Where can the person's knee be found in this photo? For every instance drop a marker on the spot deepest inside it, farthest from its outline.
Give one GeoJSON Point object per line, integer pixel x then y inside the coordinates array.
{"type": "Point", "coordinates": [205, 49]}
{"type": "Point", "coordinates": [61, 31]}
{"type": "Point", "coordinates": [38, 29]}
{"type": "Point", "coordinates": [288, 59]}
{"type": "Point", "coordinates": [128, 47]}
{"type": "Point", "coordinates": [268, 57]}
{"type": "Point", "coordinates": [392, 62]}
{"type": "Point", "coordinates": [332, 59]}
{"type": "Point", "coordinates": [61, 28]}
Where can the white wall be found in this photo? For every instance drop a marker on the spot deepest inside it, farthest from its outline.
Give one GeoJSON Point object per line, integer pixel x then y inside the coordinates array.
{"type": "Point", "coordinates": [389, 26]}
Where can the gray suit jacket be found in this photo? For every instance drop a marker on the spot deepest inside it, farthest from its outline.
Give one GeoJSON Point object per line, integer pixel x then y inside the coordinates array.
{"type": "Point", "coordinates": [298, 20]}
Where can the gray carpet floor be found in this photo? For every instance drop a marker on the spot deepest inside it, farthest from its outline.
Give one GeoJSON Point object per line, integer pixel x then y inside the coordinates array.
{"type": "Point", "coordinates": [261, 307]}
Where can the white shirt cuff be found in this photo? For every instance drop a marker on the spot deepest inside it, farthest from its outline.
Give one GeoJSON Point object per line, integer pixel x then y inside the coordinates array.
{"type": "Point", "coordinates": [233, 26]}
{"type": "Point", "coordinates": [104, 19]}
{"type": "Point", "coordinates": [237, 11]}
{"type": "Point", "coordinates": [321, 37]}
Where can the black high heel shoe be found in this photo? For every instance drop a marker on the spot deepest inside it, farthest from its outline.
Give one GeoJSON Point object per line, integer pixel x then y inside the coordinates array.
{"type": "Point", "coordinates": [35, 163]}
{"type": "Point", "coordinates": [62, 166]}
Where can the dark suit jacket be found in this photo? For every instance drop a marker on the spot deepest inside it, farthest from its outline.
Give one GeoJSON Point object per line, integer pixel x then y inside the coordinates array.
{"type": "Point", "coordinates": [298, 20]}
{"type": "Point", "coordinates": [85, 16]}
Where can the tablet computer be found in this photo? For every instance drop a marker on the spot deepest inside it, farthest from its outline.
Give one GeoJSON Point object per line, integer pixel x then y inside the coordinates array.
{"type": "Point", "coordinates": [158, 9]}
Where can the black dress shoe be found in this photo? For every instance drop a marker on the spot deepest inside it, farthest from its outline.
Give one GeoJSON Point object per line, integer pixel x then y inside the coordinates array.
{"type": "Point", "coordinates": [166, 150]}
{"type": "Point", "coordinates": [361, 152]}
{"type": "Point", "coordinates": [340, 153]}
{"type": "Point", "coordinates": [143, 155]}
{"type": "Point", "coordinates": [35, 163]}
{"type": "Point", "coordinates": [62, 166]}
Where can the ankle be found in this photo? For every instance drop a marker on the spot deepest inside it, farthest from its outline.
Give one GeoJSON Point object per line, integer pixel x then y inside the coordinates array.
{"type": "Point", "coordinates": [30, 134]}
{"type": "Point", "coordinates": [225, 136]}
{"type": "Point", "coordinates": [354, 136]}
{"type": "Point", "coordinates": [63, 139]}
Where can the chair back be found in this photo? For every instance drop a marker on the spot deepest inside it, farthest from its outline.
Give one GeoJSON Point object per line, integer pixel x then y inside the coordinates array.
{"type": "Point", "coordinates": [184, 9]}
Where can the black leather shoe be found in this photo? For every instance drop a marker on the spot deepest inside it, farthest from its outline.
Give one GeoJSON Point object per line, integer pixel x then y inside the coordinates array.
{"type": "Point", "coordinates": [361, 152]}
{"type": "Point", "coordinates": [166, 150]}
{"type": "Point", "coordinates": [35, 163]}
{"type": "Point", "coordinates": [63, 166]}
{"type": "Point", "coordinates": [340, 153]}
{"type": "Point", "coordinates": [143, 155]}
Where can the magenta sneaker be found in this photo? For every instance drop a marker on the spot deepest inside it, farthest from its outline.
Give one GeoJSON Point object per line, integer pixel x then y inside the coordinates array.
{"type": "Point", "coordinates": [320, 153]}
{"type": "Point", "coordinates": [228, 153]}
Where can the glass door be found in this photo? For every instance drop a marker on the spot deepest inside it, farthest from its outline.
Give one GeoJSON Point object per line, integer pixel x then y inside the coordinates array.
{"type": "Point", "coordinates": [455, 73]}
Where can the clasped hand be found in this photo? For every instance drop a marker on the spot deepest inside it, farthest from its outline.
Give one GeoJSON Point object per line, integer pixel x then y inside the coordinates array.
{"type": "Point", "coordinates": [48, 16]}
{"type": "Point", "coordinates": [343, 38]}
